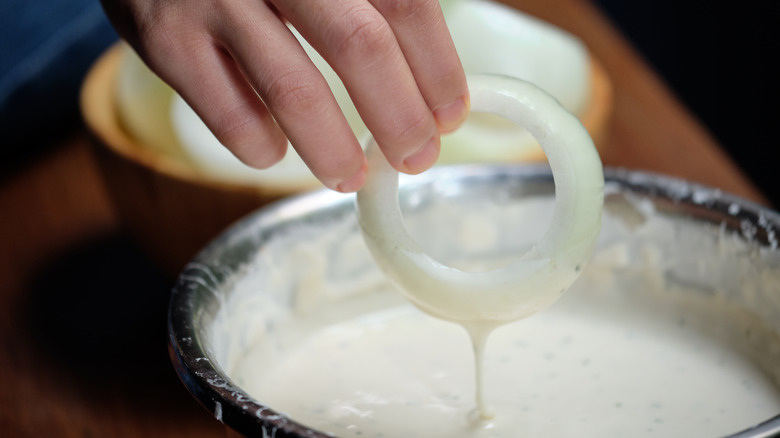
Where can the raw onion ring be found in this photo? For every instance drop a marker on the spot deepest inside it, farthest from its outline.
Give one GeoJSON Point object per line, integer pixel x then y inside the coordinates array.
{"type": "Point", "coordinates": [542, 274]}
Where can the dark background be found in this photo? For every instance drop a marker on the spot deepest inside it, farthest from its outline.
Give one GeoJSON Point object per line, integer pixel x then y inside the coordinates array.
{"type": "Point", "coordinates": [721, 59]}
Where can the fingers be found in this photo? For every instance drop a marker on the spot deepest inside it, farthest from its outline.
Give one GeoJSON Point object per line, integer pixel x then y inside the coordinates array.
{"type": "Point", "coordinates": [361, 46]}
{"type": "Point", "coordinates": [209, 80]}
{"type": "Point", "coordinates": [249, 80]}
{"type": "Point", "coordinates": [423, 36]}
{"type": "Point", "coordinates": [296, 94]}
{"type": "Point", "coordinates": [233, 112]}
{"type": "Point", "coordinates": [241, 69]}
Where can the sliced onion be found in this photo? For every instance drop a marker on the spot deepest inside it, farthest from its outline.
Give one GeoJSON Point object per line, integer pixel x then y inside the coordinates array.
{"type": "Point", "coordinates": [542, 274]}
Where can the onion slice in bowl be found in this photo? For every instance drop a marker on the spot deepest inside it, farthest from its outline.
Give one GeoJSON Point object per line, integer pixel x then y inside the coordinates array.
{"type": "Point", "coordinates": [542, 274]}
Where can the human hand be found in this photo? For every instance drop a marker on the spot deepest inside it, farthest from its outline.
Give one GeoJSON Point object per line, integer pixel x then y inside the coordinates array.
{"type": "Point", "coordinates": [240, 68]}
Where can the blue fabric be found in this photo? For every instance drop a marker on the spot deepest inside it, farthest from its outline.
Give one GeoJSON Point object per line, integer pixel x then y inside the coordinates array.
{"type": "Point", "coordinates": [46, 48]}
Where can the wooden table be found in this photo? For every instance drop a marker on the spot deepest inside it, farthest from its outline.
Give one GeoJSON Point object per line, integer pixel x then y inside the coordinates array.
{"type": "Point", "coordinates": [82, 311]}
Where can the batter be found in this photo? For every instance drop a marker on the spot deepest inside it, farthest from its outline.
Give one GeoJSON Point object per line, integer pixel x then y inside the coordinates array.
{"type": "Point", "coordinates": [633, 349]}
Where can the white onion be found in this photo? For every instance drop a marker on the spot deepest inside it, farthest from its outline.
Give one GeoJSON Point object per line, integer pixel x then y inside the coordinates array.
{"type": "Point", "coordinates": [492, 38]}
{"type": "Point", "coordinates": [542, 274]}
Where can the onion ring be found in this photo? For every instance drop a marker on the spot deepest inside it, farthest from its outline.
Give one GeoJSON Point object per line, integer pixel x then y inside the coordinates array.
{"type": "Point", "coordinates": [542, 274]}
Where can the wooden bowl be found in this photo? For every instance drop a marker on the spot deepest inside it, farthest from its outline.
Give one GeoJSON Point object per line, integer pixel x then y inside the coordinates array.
{"type": "Point", "coordinates": [170, 207]}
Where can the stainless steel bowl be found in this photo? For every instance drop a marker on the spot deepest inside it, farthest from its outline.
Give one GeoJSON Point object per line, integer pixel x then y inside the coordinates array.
{"type": "Point", "coordinates": [206, 282]}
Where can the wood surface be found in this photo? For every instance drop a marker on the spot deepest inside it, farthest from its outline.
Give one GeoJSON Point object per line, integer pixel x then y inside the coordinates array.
{"type": "Point", "coordinates": [82, 310]}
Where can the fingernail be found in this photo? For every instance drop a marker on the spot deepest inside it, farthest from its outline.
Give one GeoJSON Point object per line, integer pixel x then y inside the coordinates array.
{"type": "Point", "coordinates": [424, 158]}
{"type": "Point", "coordinates": [450, 116]}
{"type": "Point", "coordinates": [355, 183]}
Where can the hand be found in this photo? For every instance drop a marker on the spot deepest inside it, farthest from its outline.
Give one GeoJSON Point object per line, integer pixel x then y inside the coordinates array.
{"type": "Point", "coordinates": [241, 69]}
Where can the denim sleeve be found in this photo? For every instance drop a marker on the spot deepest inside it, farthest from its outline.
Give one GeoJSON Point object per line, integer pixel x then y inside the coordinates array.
{"type": "Point", "coordinates": [46, 48]}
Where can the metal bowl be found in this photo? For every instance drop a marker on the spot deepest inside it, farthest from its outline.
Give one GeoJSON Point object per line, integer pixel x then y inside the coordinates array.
{"type": "Point", "coordinates": [696, 214]}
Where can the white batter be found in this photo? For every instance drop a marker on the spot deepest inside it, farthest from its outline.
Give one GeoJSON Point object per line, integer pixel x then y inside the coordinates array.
{"type": "Point", "coordinates": [580, 368]}
{"type": "Point", "coordinates": [629, 351]}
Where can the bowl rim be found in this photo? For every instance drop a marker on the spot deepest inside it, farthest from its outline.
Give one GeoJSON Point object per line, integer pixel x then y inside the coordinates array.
{"type": "Point", "coordinates": [236, 409]}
